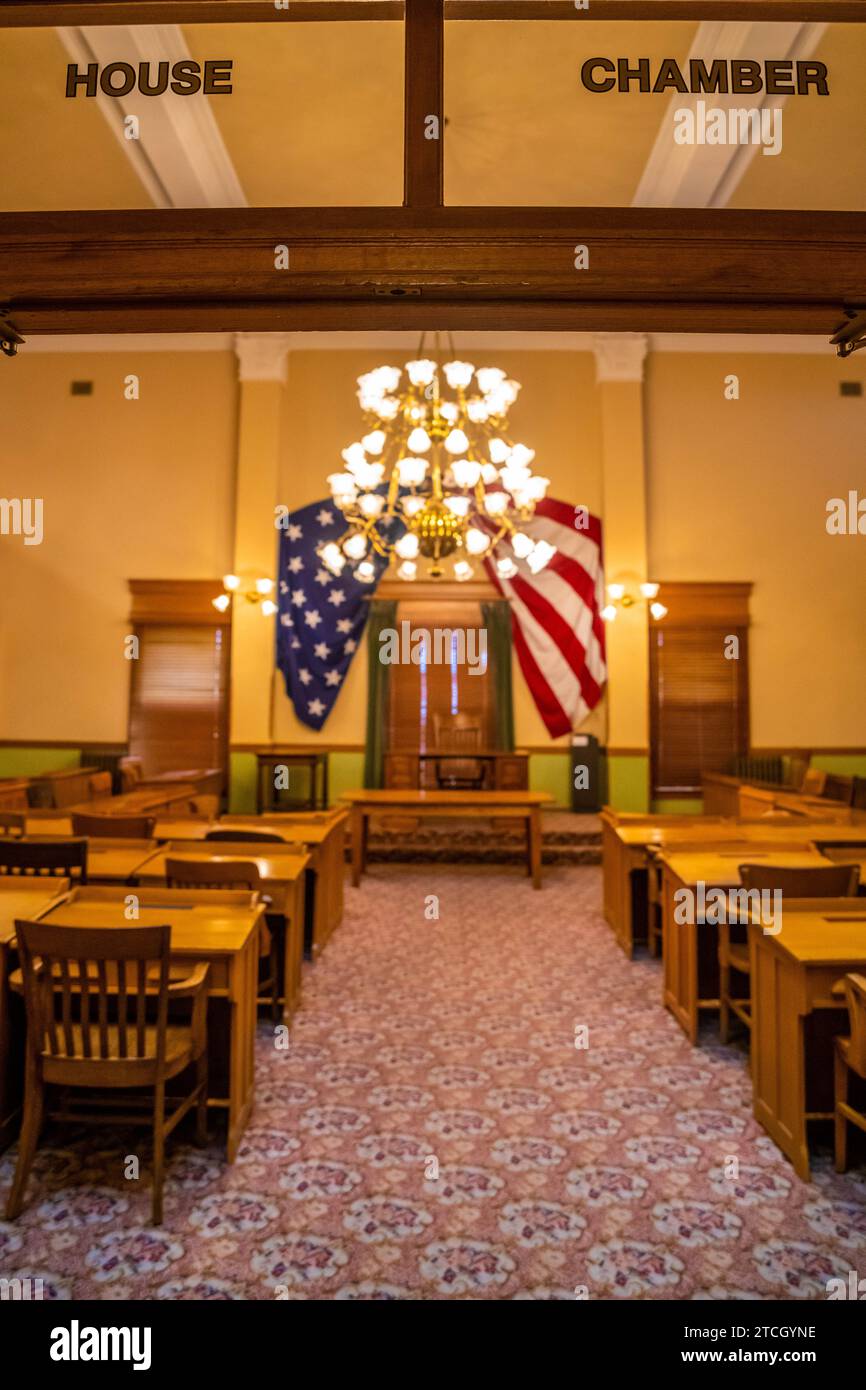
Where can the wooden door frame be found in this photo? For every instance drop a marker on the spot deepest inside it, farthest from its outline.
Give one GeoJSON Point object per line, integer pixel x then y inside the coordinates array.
{"type": "Point", "coordinates": [424, 265]}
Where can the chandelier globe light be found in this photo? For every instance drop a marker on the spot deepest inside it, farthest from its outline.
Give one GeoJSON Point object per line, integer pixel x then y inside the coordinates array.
{"type": "Point", "coordinates": [435, 475]}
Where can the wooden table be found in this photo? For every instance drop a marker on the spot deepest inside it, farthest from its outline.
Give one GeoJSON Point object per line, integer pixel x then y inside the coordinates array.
{"type": "Point", "coordinates": [221, 928]}
{"type": "Point", "coordinates": [691, 949]}
{"type": "Point", "coordinates": [525, 806]}
{"type": "Point", "coordinates": [282, 872]}
{"type": "Point", "coordinates": [28, 900]}
{"type": "Point", "coordinates": [794, 1016]}
{"type": "Point", "coordinates": [315, 760]}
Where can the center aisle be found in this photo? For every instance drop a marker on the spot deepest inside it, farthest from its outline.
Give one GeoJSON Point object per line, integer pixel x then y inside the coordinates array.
{"type": "Point", "coordinates": [452, 1042]}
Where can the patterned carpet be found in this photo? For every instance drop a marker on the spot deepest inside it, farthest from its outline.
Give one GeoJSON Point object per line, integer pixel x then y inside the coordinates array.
{"type": "Point", "coordinates": [451, 1043]}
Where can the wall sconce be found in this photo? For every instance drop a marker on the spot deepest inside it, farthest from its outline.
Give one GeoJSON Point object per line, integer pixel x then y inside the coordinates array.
{"type": "Point", "coordinates": [621, 597]}
{"type": "Point", "coordinates": [253, 590]}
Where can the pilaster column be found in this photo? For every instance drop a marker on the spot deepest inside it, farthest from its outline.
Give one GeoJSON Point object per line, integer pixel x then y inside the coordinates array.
{"type": "Point", "coordinates": [262, 371]}
{"type": "Point", "coordinates": [619, 373]}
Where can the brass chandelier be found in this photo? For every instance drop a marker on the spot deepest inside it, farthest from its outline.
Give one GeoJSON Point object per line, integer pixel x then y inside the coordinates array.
{"type": "Point", "coordinates": [436, 474]}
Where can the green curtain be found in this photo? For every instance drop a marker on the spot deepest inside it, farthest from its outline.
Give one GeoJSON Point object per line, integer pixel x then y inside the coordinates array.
{"type": "Point", "coordinates": [383, 613]}
{"type": "Point", "coordinates": [497, 620]}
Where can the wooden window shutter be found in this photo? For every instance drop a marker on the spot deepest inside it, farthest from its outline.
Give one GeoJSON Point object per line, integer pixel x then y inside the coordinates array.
{"type": "Point", "coordinates": [178, 707]}
{"type": "Point", "coordinates": [178, 698]}
{"type": "Point", "coordinates": [699, 697]}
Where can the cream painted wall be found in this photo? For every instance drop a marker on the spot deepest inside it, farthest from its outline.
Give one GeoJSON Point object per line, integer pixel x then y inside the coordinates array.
{"type": "Point", "coordinates": [738, 491]}
{"type": "Point", "coordinates": [132, 489]}
{"type": "Point", "coordinates": [557, 414]}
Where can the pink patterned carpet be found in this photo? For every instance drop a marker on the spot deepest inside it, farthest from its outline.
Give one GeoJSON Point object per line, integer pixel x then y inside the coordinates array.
{"type": "Point", "coordinates": [451, 1042]}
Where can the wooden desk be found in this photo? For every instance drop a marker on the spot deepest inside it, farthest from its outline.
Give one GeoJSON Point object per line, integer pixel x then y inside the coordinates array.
{"type": "Point", "coordinates": [405, 769]}
{"type": "Point", "coordinates": [738, 796]}
{"type": "Point", "coordinates": [323, 836]}
{"type": "Point", "coordinates": [628, 845]}
{"type": "Point", "coordinates": [794, 1016]}
{"type": "Point", "coordinates": [221, 928]}
{"type": "Point", "coordinates": [145, 802]}
{"type": "Point", "coordinates": [525, 806]}
{"type": "Point", "coordinates": [281, 869]}
{"type": "Point", "coordinates": [116, 861]}
{"type": "Point", "coordinates": [691, 949]}
{"type": "Point", "coordinates": [624, 842]}
{"type": "Point", "coordinates": [62, 788]}
{"type": "Point", "coordinates": [27, 899]}
{"type": "Point", "coordinates": [14, 793]}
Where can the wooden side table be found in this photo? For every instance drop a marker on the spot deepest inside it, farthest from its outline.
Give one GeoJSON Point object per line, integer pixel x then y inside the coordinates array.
{"type": "Point", "coordinates": [268, 798]}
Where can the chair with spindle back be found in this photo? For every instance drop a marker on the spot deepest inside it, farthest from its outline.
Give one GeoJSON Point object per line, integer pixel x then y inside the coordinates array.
{"type": "Point", "coordinates": [850, 1056]}
{"type": "Point", "coordinates": [824, 881]}
{"type": "Point", "coordinates": [37, 858]}
{"type": "Point", "coordinates": [215, 873]}
{"type": "Point", "coordinates": [113, 827]}
{"type": "Point", "coordinates": [86, 993]}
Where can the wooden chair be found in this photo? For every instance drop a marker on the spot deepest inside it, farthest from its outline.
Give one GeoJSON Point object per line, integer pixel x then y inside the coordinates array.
{"type": "Point", "coordinates": [131, 774]}
{"type": "Point", "coordinates": [850, 1055]}
{"type": "Point", "coordinates": [209, 873]}
{"type": "Point", "coordinates": [814, 782]}
{"type": "Point", "coordinates": [839, 789]}
{"type": "Point", "coordinates": [100, 1037]}
{"type": "Point", "coordinates": [858, 796]}
{"type": "Point", "coordinates": [37, 858]}
{"type": "Point", "coordinates": [113, 827]}
{"type": "Point", "coordinates": [13, 821]}
{"type": "Point", "coordinates": [824, 881]}
{"type": "Point", "coordinates": [100, 784]}
{"type": "Point", "coordinates": [461, 737]}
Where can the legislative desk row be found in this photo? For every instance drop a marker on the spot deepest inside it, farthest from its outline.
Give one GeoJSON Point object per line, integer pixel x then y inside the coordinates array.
{"type": "Point", "coordinates": [648, 860]}
{"type": "Point", "coordinates": [126, 881]}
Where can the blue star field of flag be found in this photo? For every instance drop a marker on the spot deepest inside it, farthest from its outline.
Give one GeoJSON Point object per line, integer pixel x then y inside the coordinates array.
{"type": "Point", "coordinates": [321, 616]}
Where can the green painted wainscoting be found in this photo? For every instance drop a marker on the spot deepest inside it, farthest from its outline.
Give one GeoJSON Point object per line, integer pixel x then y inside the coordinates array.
{"type": "Point", "coordinates": [550, 772]}
{"type": "Point", "coordinates": [33, 762]}
{"type": "Point", "coordinates": [842, 764]}
{"type": "Point", "coordinates": [628, 782]}
{"type": "Point", "coordinates": [242, 784]}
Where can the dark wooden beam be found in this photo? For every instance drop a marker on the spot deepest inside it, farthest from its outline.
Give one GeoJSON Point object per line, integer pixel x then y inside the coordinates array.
{"type": "Point", "coordinates": [423, 132]}
{"type": "Point", "coordinates": [50, 12]}
{"type": "Point", "coordinates": [710, 270]}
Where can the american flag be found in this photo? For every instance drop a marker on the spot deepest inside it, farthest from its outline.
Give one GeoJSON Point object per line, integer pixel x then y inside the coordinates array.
{"type": "Point", "coordinates": [320, 616]}
{"type": "Point", "coordinates": [556, 620]}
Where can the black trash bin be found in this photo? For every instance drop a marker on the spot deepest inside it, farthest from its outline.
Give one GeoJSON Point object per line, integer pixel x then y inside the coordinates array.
{"type": "Point", "coordinates": [588, 774]}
